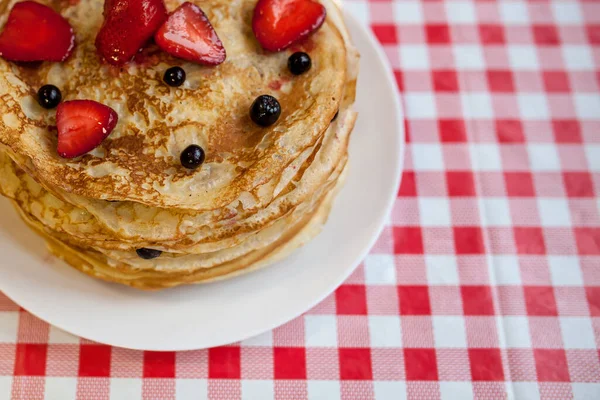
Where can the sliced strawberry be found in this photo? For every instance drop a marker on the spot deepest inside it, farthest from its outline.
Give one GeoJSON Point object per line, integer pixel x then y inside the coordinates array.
{"type": "Point", "coordinates": [128, 25]}
{"type": "Point", "coordinates": [35, 32]}
{"type": "Point", "coordinates": [188, 34]}
{"type": "Point", "coordinates": [82, 126]}
{"type": "Point", "coordinates": [278, 24]}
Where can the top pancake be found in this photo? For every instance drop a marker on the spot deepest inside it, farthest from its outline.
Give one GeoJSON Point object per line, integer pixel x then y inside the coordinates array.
{"type": "Point", "coordinates": [140, 159]}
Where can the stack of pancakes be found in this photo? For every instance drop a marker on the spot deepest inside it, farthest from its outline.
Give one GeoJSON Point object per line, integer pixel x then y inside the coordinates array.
{"type": "Point", "coordinates": [261, 193]}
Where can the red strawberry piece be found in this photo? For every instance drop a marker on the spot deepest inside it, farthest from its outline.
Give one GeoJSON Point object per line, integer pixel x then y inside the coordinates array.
{"type": "Point", "coordinates": [188, 34]}
{"type": "Point", "coordinates": [278, 24]}
{"type": "Point", "coordinates": [128, 25]}
{"type": "Point", "coordinates": [35, 32]}
{"type": "Point", "coordinates": [82, 126]}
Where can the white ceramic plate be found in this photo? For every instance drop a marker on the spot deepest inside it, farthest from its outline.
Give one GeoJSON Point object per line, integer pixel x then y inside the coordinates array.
{"type": "Point", "coordinates": [204, 316]}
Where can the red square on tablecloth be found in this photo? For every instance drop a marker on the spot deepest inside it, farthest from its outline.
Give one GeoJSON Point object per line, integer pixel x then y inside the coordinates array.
{"type": "Point", "coordinates": [30, 359]}
{"type": "Point", "coordinates": [540, 300]}
{"type": "Point", "coordinates": [519, 184]}
{"type": "Point", "coordinates": [414, 300]}
{"type": "Point", "coordinates": [588, 241]}
{"type": "Point", "coordinates": [578, 184]}
{"type": "Point", "coordinates": [159, 364]}
{"type": "Point", "coordinates": [551, 365]}
{"type": "Point", "coordinates": [420, 364]}
{"type": "Point", "coordinates": [477, 300]}
{"type": "Point", "coordinates": [486, 365]}
{"type": "Point", "coordinates": [556, 81]}
{"type": "Point", "coordinates": [408, 188]}
{"type": "Point", "coordinates": [355, 364]}
{"type": "Point", "coordinates": [399, 80]}
{"type": "Point", "coordinates": [593, 298]}
{"type": "Point", "coordinates": [445, 80]}
{"type": "Point", "coordinates": [408, 240]}
{"type": "Point", "coordinates": [289, 362]}
{"type": "Point", "coordinates": [566, 131]}
{"type": "Point", "coordinates": [460, 183]}
{"type": "Point", "coordinates": [94, 360]}
{"type": "Point", "coordinates": [491, 34]}
{"type": "Point", "coordinates": [452, 130]}
{"type": "Point", "coordinates": [509, 131]}
{"type": "Point", "coordinates": [500, 81]}
{"type": "Point", "coordinates": [224, 363]}
{"type": "Point", "coordinates": [468, 240]}
{"type": "Point", "coordinates": [351, 300]}
{"type": "Point", "coordinates": [529, 240]}
{"type": "Point", "coordinates": [437, 34]}
{"type": "Point", "coordinates": [387, 34]}
{"type": "Point", "coordinates": [593, 33]}
{"type": "Point", "coordinates": [545, 35]}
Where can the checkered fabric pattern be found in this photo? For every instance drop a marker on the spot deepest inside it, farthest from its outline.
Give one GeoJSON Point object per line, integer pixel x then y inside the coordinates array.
{"type": "Point", "coordinates": [486, 282]}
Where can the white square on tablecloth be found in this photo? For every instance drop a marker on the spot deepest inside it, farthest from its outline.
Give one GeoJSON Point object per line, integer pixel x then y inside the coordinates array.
{"type": "Point", "coordinates": [522, 57]}
{"type": "Point", "coordinates": [385, 390]}
{"type": "Point", "coordinates": [554, 212]}
{"type": "Point", "coordinates": [322, 390]}
{"type": "Point", "coordinates": [525, 391]}
{"type": "Point", "coordinates": [543, 157]}
{"type": "Point", "coordinates": [533, 106]}
{"type": "Point", "coordinates": [592, 151]}
{"type": "Point", "coordinates": [263, 340]}
{"type": "Point", "coordinates": [414, 57]}
{"type": "Point", "coordinates": [434, 211]}
{"type": "Point", "coordinates": [587, 106]}
{"type": "Point", "coordinates": [514, 13]}
{"type": "Point", "coordinates": [441, 270]}
{"type": "Point", "coordinates": [408, 12]}
{"type": "Point", "coordinates": [577, 333]}
{"type": "Point", "coordinates": [358, 9]}
{"type": "Point", "coordinates": [578, 58]}
{"type": "Point", "coordinates": [129, 389]}
{"type": "Point", "coordinates": [585, 391]}
{"type": "Point", "coordinates": [477, 105]}
{"type": "Point", "coordinates": [6, 387]}
{"type": "Point", "coordinates": [567, 12]}
{"type": "Point", "coordinates": [196, 389]}
{"type": "Point", "coordinates": [257, 389]}
{"type": "Point", "coordinates": [58, 336]}
{"type": "Point", "coordinates": [565, 271]}
{"type": "Point", "coordinates": [485, 157]}
{"type": "Point", "coordinates": [506, 269]}
{"type": "Point", "coordinates": [320, 330]}
{"type": "Point", "coordinates": [460, 12]}
{"type": "Point", "coordinates": [496, 211]}
{"type": "Point", "coordinates": [468, 57]}
{"type": "Point", "coordinates": [456, 390]}
{"type": "Point", "coordinates": [427, 157]}
{"type": "Point", "coordinates": [516, 329]}
{"type": "Point", "coordinates": [380, 269]}
{"type": "Point", "coordinates": [385, 331]}
{"type": "Point", "coordinates": [420, 105]}
{"type": "Point", "coordinates": [449, 331]}
{"type": "Point", "coordinates": [9, 323]}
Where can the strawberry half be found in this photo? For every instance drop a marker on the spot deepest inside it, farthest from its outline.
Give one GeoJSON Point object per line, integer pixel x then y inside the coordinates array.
{"type": "Point", "coordinates": [35, 32]}
{"type": "Point", "coordinates": [82, 126]}
{"type": "Point", "coordinates": [128, 25]}
{"type": "Point", "coordinates": [188, 34]}
{"type": "Point", "coordinates": [278, 24]}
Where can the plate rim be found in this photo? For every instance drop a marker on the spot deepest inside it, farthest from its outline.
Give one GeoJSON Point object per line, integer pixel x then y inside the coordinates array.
{"type": "Point", "coordinates": [388, 76]}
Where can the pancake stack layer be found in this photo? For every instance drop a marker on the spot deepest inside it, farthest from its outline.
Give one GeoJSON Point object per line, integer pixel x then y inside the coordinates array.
{"type": "Point", "coordinates": [261, 192]}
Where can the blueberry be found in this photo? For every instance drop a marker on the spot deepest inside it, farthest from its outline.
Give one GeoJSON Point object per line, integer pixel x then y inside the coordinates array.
{"type": "Point", "coordinates": [174, 76]}
{"type": "Point", "coordinates": [265, 110]}
{"type": "Point", "coordinates": [299, 63]}
{"type": "Point", "coordinates": [192, 157]}
{"type": "Point", "coordinates": [49, 96]}
{"type": "Point", "coordinates": [148, 254]}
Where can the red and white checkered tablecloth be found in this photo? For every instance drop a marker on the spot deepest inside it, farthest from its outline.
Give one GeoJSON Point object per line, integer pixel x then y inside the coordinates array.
{"type": "Point", "coordinates": [486, 281]}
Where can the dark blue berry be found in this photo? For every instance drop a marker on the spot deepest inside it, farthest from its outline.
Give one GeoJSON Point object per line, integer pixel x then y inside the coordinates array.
{"type": "Point", "coordinates": [299, 63]}
{"type": "Point", "coordinates": [265, 110]}
{"type": "Point", "coordinates": [148, 254]}
{"type": "Point", "coordinates": [192, 157]}
{"type": "Point", "coordinates": [49, 96]}
{"type": "Point", "coordinates": [174, 76]}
